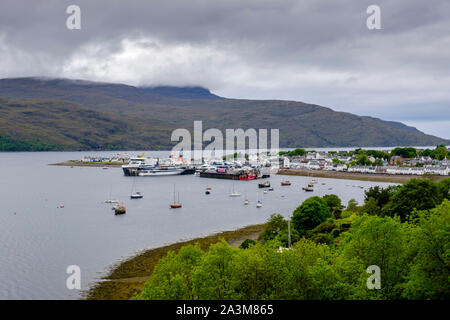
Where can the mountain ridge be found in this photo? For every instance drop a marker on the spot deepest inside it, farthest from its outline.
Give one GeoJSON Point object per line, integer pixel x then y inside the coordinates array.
{"type": "Point", "coordinates": [165, 108]}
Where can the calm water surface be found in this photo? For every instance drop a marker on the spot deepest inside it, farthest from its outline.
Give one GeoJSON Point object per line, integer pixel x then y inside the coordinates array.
{"type": "Point", "coordinates": [39, 239]}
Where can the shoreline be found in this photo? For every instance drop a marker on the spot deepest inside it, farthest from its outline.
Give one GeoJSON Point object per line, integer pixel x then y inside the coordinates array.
{"type": "Point", "coordinates": [127, 278]}
{"type": "Point", "coordinates": [74, 163]}
{"type": "Point", "coordinates": [379, 177]}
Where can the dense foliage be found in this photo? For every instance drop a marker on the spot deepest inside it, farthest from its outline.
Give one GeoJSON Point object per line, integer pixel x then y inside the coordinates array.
{"type": "Point", "coordinates": [404, 152]}
{"type": "Point", "coordinates": [312, 212]}
{"type": "Point", "coordinates": [8, 144]}
{"type": "Point", "coordinates": [330, 259]}
{"type": "Point", "coordinates": [439, 153]}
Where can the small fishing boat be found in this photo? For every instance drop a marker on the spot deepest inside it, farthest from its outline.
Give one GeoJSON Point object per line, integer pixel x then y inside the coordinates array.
{"type": "Point", "coordinates": [271, 189]}
{"type": "Point", "coordinates": [246, 202]}
{"type": "Point", "coordinates": [247, 176]}
{"type": "Point", "coordinates": [207, 192]}
{"type": "Point", "coordinates": [265, 184]}
{"type": "Point", "coordinates": [119, 209]}
{"type": "Point", "coordinates": [175, 204]}
{"type": "Point", "coordinates": [265, 191]}
{"type": "Point", "coordinates": [136, 195]}
{"type": "Point", "coordinates": [285, 183]}
{"type": "Point", "coordinates": [308, 188]}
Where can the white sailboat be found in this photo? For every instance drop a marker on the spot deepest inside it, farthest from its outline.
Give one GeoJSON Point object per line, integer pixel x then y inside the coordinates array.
{"type": "Point", "coordinates": [135, 194]}
{"type": "Point", "coordinates": [246, 201]}
{"type": "Point", "coordinates": [234, 193]}
{"type": "Point", "coordinates": [110, 200]}
{"type": "Point", "coordinates": [259, 203]}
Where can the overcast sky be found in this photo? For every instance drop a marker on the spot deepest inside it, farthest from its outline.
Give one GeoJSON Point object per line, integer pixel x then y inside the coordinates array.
{"type": "Point", "coordinates": [316, 51]}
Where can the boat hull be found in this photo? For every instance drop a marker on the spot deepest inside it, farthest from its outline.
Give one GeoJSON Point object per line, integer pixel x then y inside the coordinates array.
{"type": "Point", "coordinates": [151, 172]}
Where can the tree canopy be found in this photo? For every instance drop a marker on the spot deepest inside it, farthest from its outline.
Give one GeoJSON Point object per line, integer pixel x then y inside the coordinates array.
{"type": "Point", "coordinates": [312, 212]}
{"type": "Point", "coordinates": [405, 231]}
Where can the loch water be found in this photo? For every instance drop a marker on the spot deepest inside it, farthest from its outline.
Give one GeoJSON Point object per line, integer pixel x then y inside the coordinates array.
{"type": "Point", "coordinates": [55, 216]}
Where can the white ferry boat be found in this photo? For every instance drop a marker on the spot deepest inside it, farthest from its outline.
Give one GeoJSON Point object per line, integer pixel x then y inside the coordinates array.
{"type": "Point", "coordinates": [141, 166]}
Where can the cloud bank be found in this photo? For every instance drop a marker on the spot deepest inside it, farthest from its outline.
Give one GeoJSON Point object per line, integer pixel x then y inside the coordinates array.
{"type": "Point", "coordinates": [316, 51]}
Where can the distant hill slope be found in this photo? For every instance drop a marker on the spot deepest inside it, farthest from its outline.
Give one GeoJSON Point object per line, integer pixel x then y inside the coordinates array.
{"type": "Point", "coordinates": [39, 124]}
{"type": "Point", "coordinates": [142, 110]}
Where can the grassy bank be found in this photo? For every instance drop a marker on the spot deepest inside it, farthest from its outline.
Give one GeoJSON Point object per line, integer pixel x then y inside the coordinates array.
{"type": "Point", "coordinates": [128, 277]}
{"type": "Point", "coordinates": [355, 175]}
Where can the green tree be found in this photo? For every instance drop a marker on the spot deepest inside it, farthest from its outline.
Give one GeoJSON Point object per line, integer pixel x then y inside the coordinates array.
{"type": "Point", "coordinates": [430, 272]}
{"type": "Point", "coordinates": [363, 160]}
{"type": "Point", "coordinates": [247, 243]}
{"type": "Point", "coordinates": [404, 152]}
{"type": "Point", "coordinates": [426, 153]}
{"type": "Point", "coordinates": [334, 203]}
{"type": "Point", "coordinates": [250, 274]}
{"type": "Point", "coordinates": [275, 225]}
{"type": "Point", "coordinates": [381, 195]}
{"type": "Point", "coordinates": [416, 194]}
{"type": "Point", "coordinates": [379, 241]}
{"type": "Point", "coordinates": [312, 212]}
{"type": "Point", "coordinates": [172, 276]}
{"type": "Point", "coordinates": [297, 152]}
{"type": "Point", "coordinates": [213, 277]}
{"type": "Point", "coordinates": [440, 153]}
{"type": "Point", "coordinates": [283, 237]}
{"type": "Point", "coordinates": [371, 207]}
{"type": "Point", "coordinates": [444, 187]}
{"type": "Point", "coordinates": [352, 205]}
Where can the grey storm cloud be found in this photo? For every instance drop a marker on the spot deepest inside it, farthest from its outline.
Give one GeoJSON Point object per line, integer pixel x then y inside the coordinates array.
{"type": "Point", "coordinates": [317, 51]}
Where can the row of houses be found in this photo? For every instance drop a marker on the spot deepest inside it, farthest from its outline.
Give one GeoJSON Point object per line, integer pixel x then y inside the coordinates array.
{"type": "Point", "coordinates": [324, 161]}
{"type": "Point", "coordinates": [430, 169]}
{"type": "Point", "coordinates": [113, 158]}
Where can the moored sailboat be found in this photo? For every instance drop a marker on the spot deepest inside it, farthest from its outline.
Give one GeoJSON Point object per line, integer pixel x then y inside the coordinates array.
{"type": "Point", "coordinates": [175, 204]}
{"type": "Point", "coordinates": [234, 193]}
{"type": "Point", "coordinates": [135, 194]}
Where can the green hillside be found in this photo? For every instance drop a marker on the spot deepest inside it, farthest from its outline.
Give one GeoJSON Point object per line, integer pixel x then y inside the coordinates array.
{"type": "Point", "coordinates": [105, 115]}
{"type": "Point", "coordinates": [40, 125]}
